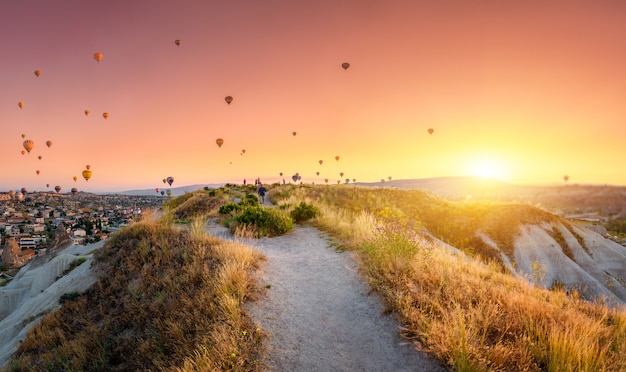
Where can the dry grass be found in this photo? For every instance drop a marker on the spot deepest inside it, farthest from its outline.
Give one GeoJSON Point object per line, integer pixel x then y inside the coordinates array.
{"type": "Point", "coordinates": [167, 298]}
{"type": "Point", "coordinates": [469, 313]}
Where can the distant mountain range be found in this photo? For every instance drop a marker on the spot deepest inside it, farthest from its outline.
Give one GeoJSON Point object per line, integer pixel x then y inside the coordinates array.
{"type": "Point", "coordinates": [176, 191]}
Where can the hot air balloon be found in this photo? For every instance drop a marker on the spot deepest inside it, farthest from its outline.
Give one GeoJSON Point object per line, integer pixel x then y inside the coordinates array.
{"type": "Point", "coordinates": [28, 145]}
{"type": "Point", "coordinates": [105, 115]}
{"type": "Point", "coordinates": [24, 190]}
{"type": "Point", "coordinates": [57, 188]}
{"type": "Point", "coordinates": [354, 180]}
{"type": "Point", "coordinates": [12, 193]}
{"type": "Point", "coordinates": [389, 178]}
{"type": "Point", "coordinates": [88, 166]}
{"type": "Point", "coordinates": [337, 157]}
{"type": "Point", "coordinates": [74, 190]}
{"type": "Point", "coordinates": [157, 190]}
{"type": "Point", "coordinates": [326, 180]}
{"type": "Point", "coordinates": [39, 157]}
{"type": "Point", "coordinates": [566, 178]}
{"type": "Point", "coordinates": [75, 178]}
{"type": "Point", "coordinates": [37, 73]}
{"type": "Point", "coordinates": [87, 174]}
{"type": "Point", "coordinates": [170, 180]}
{"type": "Point", "coordinates": [430, 130]}
{"type": "Point", "coordinates": [317, 173]}
{"type": "Point", "coordinates": [87, 112]}
{"type": "Point", "coordinates": [98, 56]}
{"type": "Point", "coordinates": [19, 196]}
{"type": "Point", "coordinates": [243, 151]}
{"type": "Point", "coordinates": [219, 142]}
{"type": "Point", "coordinates": [228, 99]}
{"type": "Point", "coordinates": [345, 65]}
{"type": "Point", "coordinates": [168, 192]}
{"type": "Point", "coordinates": [20, 104]}
{"type": "Point", "coordinates": [294, 133]}
{"type": "Point", "coordinates": [321, 161]}
{"type": "Point", "coordinates": [162, 192]}
{"type": "Point", "coordinates": [347, 181]}
{"type": "Point", "coordinates": [338, 182]}
{"type": "Point", "coordinates": [23, 152]}
{"type": "Point", "coordinates": [37, 171]}
{"type": "Point", "coordinates": [281, 174]}
{"type": "Point", "coordinates": [294, 177]}
{"type": "Point", "coordinates": [23, 135]}
{"type": "Point", "coordinates": [164, 180]}
{"type": "Point", "coordinates": [341, 174]}
{"type": "Point", "coordinates": [49, 143]}
{"type": "Point", "coordinates": [47, 185]}
{"type": "Point", "coordinates": [178, 41]}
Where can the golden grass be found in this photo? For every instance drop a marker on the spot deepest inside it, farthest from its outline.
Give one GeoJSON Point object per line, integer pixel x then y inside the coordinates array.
{"type": "Point", "coordinates": [167, 298]}
{"type": "Point", "coordinates": [468, 312]}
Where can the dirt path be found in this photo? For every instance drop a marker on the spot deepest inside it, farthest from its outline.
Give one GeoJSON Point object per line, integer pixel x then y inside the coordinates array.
{"type": "Point", "coordinates": [319, 312]}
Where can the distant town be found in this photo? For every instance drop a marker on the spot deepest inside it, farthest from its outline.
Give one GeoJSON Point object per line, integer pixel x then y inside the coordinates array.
{"type": "Point", "coordinates": [33, 223]}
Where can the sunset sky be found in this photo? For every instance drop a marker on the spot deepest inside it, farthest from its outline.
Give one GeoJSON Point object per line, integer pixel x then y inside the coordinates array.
{"type": "Point", "coordinates": [524, 91]}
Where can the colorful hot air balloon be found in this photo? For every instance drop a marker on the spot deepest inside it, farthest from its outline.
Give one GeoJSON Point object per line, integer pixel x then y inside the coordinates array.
{"type": "Point", "coordinates": [28, 145]}
{"type": "Point", "coordinates": [24, 190]}
{"type": "Point", "coordinates": [37, 73]}
{"type": "Point", "coordinates": [23, 135]}
{"type": "Point", "coordinates": [326, 180]}
{"type": "Point", "coordinates": [74, 190]}
{"type": "Point", "coordinates": [321, 161]}
{"type": "Point", "coordinates": [219, 142]}
{"type": "Point", "coordinates": [23, 152]}
{"type": "Point", "coordinates": [162, 192]}
{"type": "Point", "coordinates": [12, 193]}
{"type": "Point", "coordinates": [294, 177]}
{"type": "Point", "coordinates": [157, 190]}
{"type": "Point", "coordinates": [228, 99]}
{"type": "Point", "coordinates": [164, 180]}
{"type": "Point", "coordinates": [243, 151]}
{"type": "Point", "coordinates": [98, 56]}
{"type": "Point", "coordinates": [20, 104]}
{"type": "Point", "coordinates": [87, 174]}
{"type": "Point", "coordinates": [345, 65]}
{"type": "Point", "coordinates": [88, 166]}
{"type": "Point", "coordinates": [178, 41]}
{"type": "Point", "coordinates": [170, 180]}
{"type": "Point", "coordinates": [337, 157]}
{"type": "Point", "coordinates": [341, 174]}
{"type": "Point", "coordinates": [105, 115]}
{"type": "Point", "coordinates": [37, 171]}
{"type": "Point", "coordinates": [39, 157]}
{"type": "Point", "coordinates": [49, 143]}
{"type": "Point", "coordinates": [75, 178]}
{"type": "Point", "coordinates": [47, 185]}
{"type": "Point", "coordinates": [294, 133]}
{"type": "Point", "coordinates": [168, 192]}
{"type": "Point", "coordinates": [57, 188]}
{"type": "Point", "coordinates": [430, 130]}
{"type": "Point", "coordinates": [87, 112]}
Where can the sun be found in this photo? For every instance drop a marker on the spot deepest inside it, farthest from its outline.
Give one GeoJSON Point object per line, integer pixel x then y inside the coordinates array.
{"type": "Point", "coordinates": [486, 167]}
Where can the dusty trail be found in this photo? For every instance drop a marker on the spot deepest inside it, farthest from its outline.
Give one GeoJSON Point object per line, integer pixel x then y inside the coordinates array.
{"type": "Point", "coordinates": [319, 312]}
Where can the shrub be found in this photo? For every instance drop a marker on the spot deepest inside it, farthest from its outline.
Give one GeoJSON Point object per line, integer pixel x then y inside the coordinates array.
{"type": "Point", "coordinates": [267, 221]}
{"type": "Point", "coordinates": [228, 208]}
{"type": "Point", "coordinates": [304, 212]}
{"type": "Point", "coordinates": [249, 199]}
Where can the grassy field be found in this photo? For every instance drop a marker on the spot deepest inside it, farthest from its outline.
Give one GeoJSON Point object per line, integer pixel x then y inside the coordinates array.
{"type": "Point", "coordinates": [171, 298]}
{"type": "Point", "coordinates": [467, 310]}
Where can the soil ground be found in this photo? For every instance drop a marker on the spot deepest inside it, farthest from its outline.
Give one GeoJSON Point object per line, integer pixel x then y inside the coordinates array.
{"type": "Point", "coordinates": [319, 312]}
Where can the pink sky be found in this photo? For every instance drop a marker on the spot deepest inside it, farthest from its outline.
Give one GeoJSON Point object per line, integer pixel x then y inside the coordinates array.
{"type": "Point", "coordinates": [523, 91]}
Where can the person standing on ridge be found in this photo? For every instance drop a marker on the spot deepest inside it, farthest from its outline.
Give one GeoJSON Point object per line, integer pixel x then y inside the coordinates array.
{"type": "Point", "coordinates": [261, 191]}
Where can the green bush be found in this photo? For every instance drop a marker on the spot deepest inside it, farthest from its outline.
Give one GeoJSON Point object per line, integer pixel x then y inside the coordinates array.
{"type": "Point", "coordinates": [228, 208]}
{"type": "Point", "coordinates": [267, 221]}
{"type": "Point", "coordinates": [249, 199]}
{"type": "Point", "coordinates": [303, 212]}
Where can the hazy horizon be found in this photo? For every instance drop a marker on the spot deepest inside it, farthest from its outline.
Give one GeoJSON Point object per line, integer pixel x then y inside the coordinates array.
{"type": "Point", "coordinates": [523, 92]}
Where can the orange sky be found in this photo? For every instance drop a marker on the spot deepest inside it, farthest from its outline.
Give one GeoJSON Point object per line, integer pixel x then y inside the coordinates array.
{"type": "Point", "coordinates": [524, 91]}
